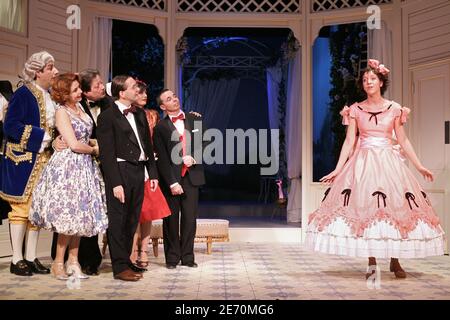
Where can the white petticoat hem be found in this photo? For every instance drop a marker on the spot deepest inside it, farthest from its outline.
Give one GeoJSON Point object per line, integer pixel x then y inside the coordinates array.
{"type": "Point", "coordinates": [381, 240]}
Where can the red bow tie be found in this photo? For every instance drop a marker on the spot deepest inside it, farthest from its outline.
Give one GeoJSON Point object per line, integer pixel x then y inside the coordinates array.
{"type": "Point", "coordinates": [179, 117]}
{"type": "Point", "coordinates": [131, 109]}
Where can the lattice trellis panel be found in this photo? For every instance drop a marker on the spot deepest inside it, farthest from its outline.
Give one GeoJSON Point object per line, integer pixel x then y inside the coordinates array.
{"type": "Point", "coordinates": [327, 5]}
{"type": "Point", "coordinates": [228, 62]}
{"type": "Point", "coordinates": [240, 6]}
{"type": "Point", "coordinates": [149, 4]}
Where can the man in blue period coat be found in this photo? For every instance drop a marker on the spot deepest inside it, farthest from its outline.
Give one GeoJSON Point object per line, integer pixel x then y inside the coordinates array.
{"type": "Point", "coordinates": [28, 131]}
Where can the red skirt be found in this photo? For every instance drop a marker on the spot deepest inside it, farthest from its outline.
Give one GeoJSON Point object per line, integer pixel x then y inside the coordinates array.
{"type": "Point", "coordinates": [154, 206]}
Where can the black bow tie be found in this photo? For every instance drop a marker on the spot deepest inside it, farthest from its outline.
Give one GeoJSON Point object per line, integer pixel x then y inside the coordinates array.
{"type": "Point", "coordinates": [92, 104]}
{"type": "Point", "coordinates": [131, 109]}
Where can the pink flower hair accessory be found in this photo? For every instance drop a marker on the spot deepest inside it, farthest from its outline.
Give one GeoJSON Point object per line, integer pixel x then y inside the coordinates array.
{"type": "Point", "coordinates": [375, 64]}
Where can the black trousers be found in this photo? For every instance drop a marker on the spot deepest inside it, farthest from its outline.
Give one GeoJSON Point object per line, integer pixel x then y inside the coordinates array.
{"type": "Point", "coordinates": [124, 217]}
{"type": "Point", "coordinates": [89, 255]}
{"type": "Point", "coordinates": [179, 231]}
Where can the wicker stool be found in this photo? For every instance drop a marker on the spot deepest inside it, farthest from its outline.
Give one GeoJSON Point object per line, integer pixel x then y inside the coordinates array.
{"type": "Point", "coordinates": [208, 230]}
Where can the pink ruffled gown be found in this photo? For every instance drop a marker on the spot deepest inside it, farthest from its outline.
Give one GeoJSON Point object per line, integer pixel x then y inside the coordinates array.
{"type": "Point", "coordinates": [375, 207]}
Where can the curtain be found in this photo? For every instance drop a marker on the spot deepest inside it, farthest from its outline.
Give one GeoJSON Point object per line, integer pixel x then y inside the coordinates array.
{"type": "Point", "coordinates": [179, 88]}
{"type": "Point", "coordinates": [294, 138]}
{"type": "Point", "coordinates": [293, 128]}
{"type": "Point", "coordinates": [99, 46]}
{"type": "Point", "coordinates": [214, 100]}
{"type": "Point", "coordinates": [12, 15]}
{"type": "Point", "coordinates": [273, 79]}
{"type": "Point", "coordinates": [273, 76]}
{"type": "Point", "coordinates": [380, 47]}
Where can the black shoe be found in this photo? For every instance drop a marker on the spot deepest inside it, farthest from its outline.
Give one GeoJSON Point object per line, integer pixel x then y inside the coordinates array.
{"type": "Point", "coordinates": [135, 268]}
{"type": "Point", "coordinates": [37, 267]}
{"type": "Point", "coordinates": [171, 266]}
{"type": "Point", "coordinates": [91, 271]}
{"type": "Point", "coordinates": [21, 268]}
{"type": "Point", "coordinates": [190, 264]}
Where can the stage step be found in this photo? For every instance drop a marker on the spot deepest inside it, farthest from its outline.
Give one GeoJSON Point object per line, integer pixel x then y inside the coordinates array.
{"type": "Point", "coordinates": [261, 235]}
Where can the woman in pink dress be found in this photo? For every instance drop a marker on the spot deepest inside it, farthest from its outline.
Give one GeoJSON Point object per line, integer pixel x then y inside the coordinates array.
{"type": "Point", "coordinates": [375, 207]}
{"type": "Point", "coordinates": [154, 206]}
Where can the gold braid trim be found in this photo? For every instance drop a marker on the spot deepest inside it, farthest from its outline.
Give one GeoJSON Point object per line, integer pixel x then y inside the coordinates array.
{"type": "Point", "coordinates": [25, 136]}
{"type": "Point", "coordinates": [41, 103]}
{"type": "Point", "coordinates": [11, 147]}
{"type": "Point", "coordinates": [41, 161]}
{"type": "Point", "coordinates": [20, 147]}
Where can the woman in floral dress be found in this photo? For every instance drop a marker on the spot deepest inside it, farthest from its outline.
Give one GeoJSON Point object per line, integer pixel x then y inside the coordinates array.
{"type": "Point", "coordinates": [70, 196]}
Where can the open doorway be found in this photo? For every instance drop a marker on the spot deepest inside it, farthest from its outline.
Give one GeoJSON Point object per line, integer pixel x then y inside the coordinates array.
{"type": "Point", "coordinates": [237, 79]}
{"type": "Point", "coordinates": [138, 51]}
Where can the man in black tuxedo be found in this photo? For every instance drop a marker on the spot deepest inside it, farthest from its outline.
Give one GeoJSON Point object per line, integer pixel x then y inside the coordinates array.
{"type": "Point", "coordinates": [181, 176]}
{"type": "Point", "coordinates": [94, 102]}
{"type": "Point", "coordinates": [126, 154]}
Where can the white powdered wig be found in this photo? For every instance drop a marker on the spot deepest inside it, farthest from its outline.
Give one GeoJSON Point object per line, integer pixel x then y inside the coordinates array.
{"type": "Point", "coordinates": [36, 62]}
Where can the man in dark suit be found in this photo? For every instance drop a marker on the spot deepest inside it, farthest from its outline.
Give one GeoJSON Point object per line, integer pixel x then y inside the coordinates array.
{"type": "Point", "coordinates": [181, 175]}
{"type": "Point", "coordinates": [126, 154]}
{"type": "Point", "coordinates": [94, 102]}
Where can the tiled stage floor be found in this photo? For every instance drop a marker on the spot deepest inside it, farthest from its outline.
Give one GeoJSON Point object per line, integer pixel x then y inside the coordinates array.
{"type": "Point", "coordinates": [245, 271]}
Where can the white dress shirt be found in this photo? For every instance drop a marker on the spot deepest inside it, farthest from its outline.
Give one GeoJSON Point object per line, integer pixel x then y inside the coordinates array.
{"type": "Point", "coordinates": [132, 122]}
{"type": "Point", "coordinates": [179, 124]}
{"type": "Point", "coordinates": [95, 111]}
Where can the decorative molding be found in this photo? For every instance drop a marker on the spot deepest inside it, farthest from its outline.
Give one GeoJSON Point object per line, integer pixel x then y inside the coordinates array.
{"type": "Point", "coordinates": [240, 6]}
{"type": "Point", "coordinates": [148, 4]}
{"type": "Point", "coordinates": [328, 5]}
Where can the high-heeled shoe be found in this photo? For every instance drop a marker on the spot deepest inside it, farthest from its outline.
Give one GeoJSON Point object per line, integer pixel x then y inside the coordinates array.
{"type": "Point", "coordinates": [74, 268]}
{"type": "Point", "coordinates": [58, 271]}
{"type": "Point", "coordinates": [397, 270]}
{"type": "Point", "coordinates": [134, 257]}
{"type": "Point", "coordinates": [143, 260]}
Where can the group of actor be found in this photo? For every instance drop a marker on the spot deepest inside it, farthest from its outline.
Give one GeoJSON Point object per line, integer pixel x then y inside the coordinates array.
{"type": "Point", "coordinates": [81, 163]}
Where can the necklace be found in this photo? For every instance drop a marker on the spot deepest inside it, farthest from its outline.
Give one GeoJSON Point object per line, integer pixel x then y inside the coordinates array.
{"type": "Point", "coordinates": [77, 112]}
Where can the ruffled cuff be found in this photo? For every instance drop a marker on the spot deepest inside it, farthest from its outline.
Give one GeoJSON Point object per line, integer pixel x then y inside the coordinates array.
{"type": "Point", "coordinates": [404, 113]}
{"type": "Point", "coordinates": [346, 114]}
